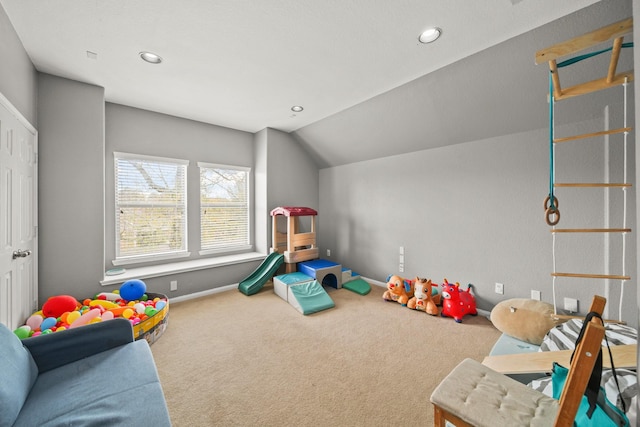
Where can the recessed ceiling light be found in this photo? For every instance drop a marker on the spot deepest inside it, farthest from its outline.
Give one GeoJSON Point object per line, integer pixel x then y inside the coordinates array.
{"type": "Point", "coordinates": [430, 35]}
{"type": "Point", "coordinates": [297, 108]}
{"type": "Point", "coordinates": [151, 58]}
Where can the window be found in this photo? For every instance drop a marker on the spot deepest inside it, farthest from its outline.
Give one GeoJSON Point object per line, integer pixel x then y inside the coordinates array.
{"type": "Point", "coordinates": [151, 208]}
{"type": "Point", "coordinates": [224, 208]}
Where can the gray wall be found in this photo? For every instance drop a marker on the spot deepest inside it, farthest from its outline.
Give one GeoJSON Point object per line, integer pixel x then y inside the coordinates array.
{"type": "Point", "coordinates": [131, 130]}
{"type": "Point", "coordinates": [292, 173]}
{"type": "Point", "coordinates": [471, 213]}
{"type": "Point", "coordinates": [71, 186]}
{"type": "Point", "coordinates": [18, 76]}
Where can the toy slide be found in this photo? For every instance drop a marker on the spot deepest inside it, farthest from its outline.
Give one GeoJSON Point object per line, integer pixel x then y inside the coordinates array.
{"type": "Point", "coordinates": [262, 274]}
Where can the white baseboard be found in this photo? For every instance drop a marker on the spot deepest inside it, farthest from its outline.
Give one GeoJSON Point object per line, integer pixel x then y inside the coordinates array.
{"type": "Point", "coordinates": [375, 282]}
{"type": "Point", "coordinates": [195, 295]}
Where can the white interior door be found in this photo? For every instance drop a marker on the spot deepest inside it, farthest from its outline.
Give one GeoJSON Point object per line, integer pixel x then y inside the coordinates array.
{"type": "Point", "coordinates": [18, 217]}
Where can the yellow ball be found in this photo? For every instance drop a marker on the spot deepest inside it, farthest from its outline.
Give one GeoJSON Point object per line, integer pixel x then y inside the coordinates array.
{"type": "Point", "coordinates": [73, 316]}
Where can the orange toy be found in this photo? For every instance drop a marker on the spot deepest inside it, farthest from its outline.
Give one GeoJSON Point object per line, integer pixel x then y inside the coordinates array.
{"type": "Point", "coordinates": [422, 300]}
{"type": "Point", "coordinates": [398, 289]}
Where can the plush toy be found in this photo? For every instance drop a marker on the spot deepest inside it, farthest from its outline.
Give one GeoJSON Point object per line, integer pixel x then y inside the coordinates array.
{"type": "Point", "coordinates": [423, 299]}
{"type": "Point", "coordinates": [398, 289]}
{"type": "Point", "coordinates": [457, 303]}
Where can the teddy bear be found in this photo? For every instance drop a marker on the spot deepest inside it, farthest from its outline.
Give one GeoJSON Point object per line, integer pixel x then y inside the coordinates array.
{"type": "Point", "coordinates": [398, 290]}
{"type": "Point", "coordinates": [422, 299]}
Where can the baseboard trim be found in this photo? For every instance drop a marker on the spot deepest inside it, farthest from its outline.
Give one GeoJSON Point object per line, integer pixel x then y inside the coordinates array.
{"type": "Point", "coordinates": [195, 295]}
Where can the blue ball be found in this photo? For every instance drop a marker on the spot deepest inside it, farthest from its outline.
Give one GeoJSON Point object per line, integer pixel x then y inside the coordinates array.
{"type": "Point", "coordinates": [132, 290]}
{"type": "Point", "coordinates": [48, 323]}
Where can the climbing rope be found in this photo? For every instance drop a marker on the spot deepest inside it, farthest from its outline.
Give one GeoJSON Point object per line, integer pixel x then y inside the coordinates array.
{"type": "Point", "coordinates": [552, 213]}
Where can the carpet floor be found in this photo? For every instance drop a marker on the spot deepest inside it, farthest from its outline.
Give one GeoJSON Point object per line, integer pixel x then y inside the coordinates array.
{"type": "Point", "coordinates": [233, 360]}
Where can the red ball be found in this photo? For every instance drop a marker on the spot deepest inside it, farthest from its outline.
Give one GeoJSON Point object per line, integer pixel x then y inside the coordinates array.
{"type": "Point", "coordinates": [57, 305]}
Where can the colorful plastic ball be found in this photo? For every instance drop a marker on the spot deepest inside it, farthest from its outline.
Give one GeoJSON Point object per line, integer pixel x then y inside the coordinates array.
{"type": "Point", "coordinates": [132, 290]}
{"type": "Point", "coordinates": [48, 323]}
{"type": "Point", "coordinates": [127, 313]}
{"type": "Point", "coordinates": [73, 316]}
{"type": "Point", "coordinates": [139, 307]}
{"type": "Point", "coordinates": [150, 311]}
{"type": "Point", "coordinates": [34, 321]}
{"type": "Point", "coordinates": [23, 332]}
{"type": "Point", "coordinates": [160, 305]}
{"type": "Point", "coordinates": [55, 306]}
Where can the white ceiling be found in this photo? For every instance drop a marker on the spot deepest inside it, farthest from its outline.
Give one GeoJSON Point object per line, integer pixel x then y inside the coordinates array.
{"type": "Point", "coordinates": [243, 64]}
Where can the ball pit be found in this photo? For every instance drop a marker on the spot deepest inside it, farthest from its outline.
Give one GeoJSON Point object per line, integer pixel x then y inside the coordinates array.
{"type": "Point", "coordinates": [148, 315]}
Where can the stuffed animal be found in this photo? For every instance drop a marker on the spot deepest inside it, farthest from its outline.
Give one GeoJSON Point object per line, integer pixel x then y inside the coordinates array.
{"type": "Point", "coordinates": [398, 289]}
{"type": "Point", "coordinates": [457, 303]}
{"type": "Point", "coordinates": [423, 299]}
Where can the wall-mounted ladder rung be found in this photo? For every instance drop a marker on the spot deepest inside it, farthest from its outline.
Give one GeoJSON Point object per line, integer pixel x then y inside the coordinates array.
{"type": "Point", "coordinates": [592, 134]}
{"type": "Point", "coordinates": [592, 276]}
{"type": "Point", "coordinates": [591, 184]}
{"type": "Point", "coordinates": [594, 85]}
{"type": "Point", "coordinates": [591, 230]}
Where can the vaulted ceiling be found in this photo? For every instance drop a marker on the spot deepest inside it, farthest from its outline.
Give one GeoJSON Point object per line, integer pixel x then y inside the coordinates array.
{"type": "Point", "coordinates": [356, 66]}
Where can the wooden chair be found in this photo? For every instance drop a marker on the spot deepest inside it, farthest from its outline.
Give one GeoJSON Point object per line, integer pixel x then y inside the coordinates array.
{"type": "Point", "coordinates": [475, 395]}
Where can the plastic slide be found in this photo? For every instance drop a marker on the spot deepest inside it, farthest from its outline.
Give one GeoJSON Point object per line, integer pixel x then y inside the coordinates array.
{"type": "Point", "coordinates": [262, 274]}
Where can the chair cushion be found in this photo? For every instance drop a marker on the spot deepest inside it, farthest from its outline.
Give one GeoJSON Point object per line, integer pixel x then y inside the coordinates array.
{"type": "Point", "coordinates": [484, 398]}
{"type": "Point", "coordinates": [18, 373]}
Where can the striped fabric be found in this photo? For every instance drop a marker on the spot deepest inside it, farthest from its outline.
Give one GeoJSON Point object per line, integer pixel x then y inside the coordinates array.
{"type": "Point", "coordinates": [562, 337]}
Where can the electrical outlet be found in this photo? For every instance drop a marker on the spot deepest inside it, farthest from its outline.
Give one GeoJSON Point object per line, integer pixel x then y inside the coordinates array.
{"type": "Point", "coordinates": [571, 305]}
{"type": "Point", "coordinates": [401, 268]}
{"type": "Point", "coordinates": [536, 295]}
{"type": "Point", "coordinates": [174, 285]}
{"type": "Point", "coordinates": [499, 288]}
{"type": "Point", "coordinates": [401, 250]}
{"type": "Point", "coordinates": [328, 252]}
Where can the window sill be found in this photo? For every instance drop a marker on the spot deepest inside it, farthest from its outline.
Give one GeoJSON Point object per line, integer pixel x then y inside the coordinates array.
{"type": "Point", "coordinates": [180, 267]}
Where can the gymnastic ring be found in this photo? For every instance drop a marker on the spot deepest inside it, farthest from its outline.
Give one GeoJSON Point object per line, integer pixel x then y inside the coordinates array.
{"type": "Point", "coordinates": [548, 214]}
{"type": "Point", "coordinates": [548, 199]}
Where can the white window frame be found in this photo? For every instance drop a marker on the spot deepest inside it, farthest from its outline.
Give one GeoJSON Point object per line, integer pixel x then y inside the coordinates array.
{"type": "Point", "coordinates": [160, 256]}
{"type": "Point", "coordinates": [228, 249]}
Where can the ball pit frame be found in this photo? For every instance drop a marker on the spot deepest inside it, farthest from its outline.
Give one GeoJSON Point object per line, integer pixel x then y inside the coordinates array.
{"type": "Point", "coordinates": [153, 327]}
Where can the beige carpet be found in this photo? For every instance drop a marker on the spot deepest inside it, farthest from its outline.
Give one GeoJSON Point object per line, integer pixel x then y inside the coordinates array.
{"type": "Point", "coordinates": [232, 360]}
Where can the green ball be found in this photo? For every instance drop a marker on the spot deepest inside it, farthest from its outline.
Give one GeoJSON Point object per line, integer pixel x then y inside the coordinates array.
{"type": "Point", "coordinates": [23, 332]}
